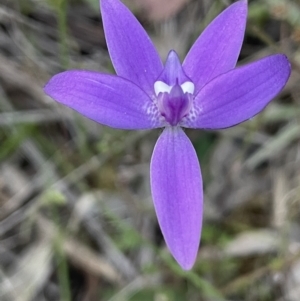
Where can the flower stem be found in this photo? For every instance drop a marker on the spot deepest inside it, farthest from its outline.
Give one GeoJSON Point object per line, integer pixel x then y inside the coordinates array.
{"type": "Point", "coordinates": [61, 8]}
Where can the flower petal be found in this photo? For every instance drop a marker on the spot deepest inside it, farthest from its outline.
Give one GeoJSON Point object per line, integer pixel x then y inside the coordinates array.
{"type": "Point", "coordinates": [107, 99]}
{"type": "Point", "coordinates": [173, 72]}
{"type": "Point", "coordinates": [176, 186]}
{"type": "Point", "coordinates": [133, 55]}
{"type": "Point", "coordinates": [239, 94]}
{"type": "Point", "coordinates": [217, 49]}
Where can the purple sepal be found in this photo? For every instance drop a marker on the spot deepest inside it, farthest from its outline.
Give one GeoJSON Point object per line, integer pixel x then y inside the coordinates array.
{"type": "Point", "coordinates": [107, 99]}
{"type": "Point", "coordinates": [218, 47]}
{"type": "Point", "coordinates": [240, 94]}
{"type": "Point", "coordinates": [176, 186]}
{"type": "Point", "coordinates": [132, 52]}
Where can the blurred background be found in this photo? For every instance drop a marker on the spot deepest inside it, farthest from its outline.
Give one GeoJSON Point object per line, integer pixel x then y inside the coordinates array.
{"type": "Point", "coordinates": [76, 215]}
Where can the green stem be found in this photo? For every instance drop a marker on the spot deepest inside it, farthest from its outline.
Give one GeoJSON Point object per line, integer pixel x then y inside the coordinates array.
{"type": "Point", "coordinates": [61, 261]}
{"type": "Point", "coordinates": [62, 29]}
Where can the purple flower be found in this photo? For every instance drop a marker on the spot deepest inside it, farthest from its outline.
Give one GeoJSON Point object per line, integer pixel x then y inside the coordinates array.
{"type": "Point", "coordinates": [205, 91]}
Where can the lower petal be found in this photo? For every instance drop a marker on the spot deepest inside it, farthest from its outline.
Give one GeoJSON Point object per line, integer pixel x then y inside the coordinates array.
{"type": "Point", "coordinates": [107, 99]}
{"type": "Point", "coordinates": [177, 192]}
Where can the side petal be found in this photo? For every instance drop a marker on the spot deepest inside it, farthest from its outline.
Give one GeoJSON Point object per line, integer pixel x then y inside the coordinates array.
{"type": "Point", "coordinates": [176, 186]}
{"type": "Point", "coordinates": [107, 99]}
{"type": "Point", "coordinates": [217, 49]}
{"type": "Point", "coordinates": [133, 55]}
{"type": "Point", "coordinates": [239, 94]}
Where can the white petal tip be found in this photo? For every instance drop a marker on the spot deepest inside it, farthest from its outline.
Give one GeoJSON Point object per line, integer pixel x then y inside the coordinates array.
{"type": "Point", "coordinates": [161, 87]}
{"type": "Point", "coordinates": [188, 87]}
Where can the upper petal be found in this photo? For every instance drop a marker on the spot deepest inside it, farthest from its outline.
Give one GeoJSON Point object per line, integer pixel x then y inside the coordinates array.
{"type": "Point", "coordinates": [173, 72]}
{"type": "Point", "coordinates": [132, 53]}
{"type": "Point", "coordinates": [217, 49]}
{"type": "Point", "coordinates": [107, 99]}
{"type": "Point", "coordinates": [239, 94]}
{"type": "Point", "coordinates": [176, 186]}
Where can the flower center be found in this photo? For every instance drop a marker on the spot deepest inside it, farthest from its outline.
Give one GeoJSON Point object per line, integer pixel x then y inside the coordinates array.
{"type": "Point", "coordinates": [174, 91]}
{"type": "Point", "coordinates": [174, 102]}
